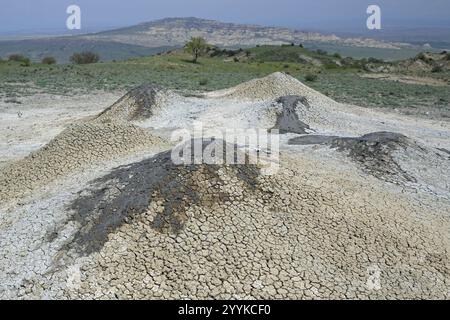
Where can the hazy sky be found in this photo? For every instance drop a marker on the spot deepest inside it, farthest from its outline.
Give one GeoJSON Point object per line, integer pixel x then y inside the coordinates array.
{"type": "Point", "coordinates": [348, 15]}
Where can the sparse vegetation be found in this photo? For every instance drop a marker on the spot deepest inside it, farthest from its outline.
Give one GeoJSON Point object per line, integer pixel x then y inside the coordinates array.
{"type": "Point", "coordinates": [176, 71]}
{"type": "Point", "coordinates": [197, 47]}
{"type": "Point", "coordinates": [26, 62]}
{"type": "Point", "coordinates": [48, 60]}
{"type": "Point", "coordinates": [16, 57]}
{"type": "Point", "coordinates": [374, 60]}
{"type": "Point", "coordinates": [85, 57]}
{"type": "Point", "coordinates": [437, 68]}
{"type": "Point", "coordinates": [311, 77]}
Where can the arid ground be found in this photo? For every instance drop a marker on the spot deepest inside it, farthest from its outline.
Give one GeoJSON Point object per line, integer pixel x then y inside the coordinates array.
{"type": "Point", "coordinates": [93, 206]}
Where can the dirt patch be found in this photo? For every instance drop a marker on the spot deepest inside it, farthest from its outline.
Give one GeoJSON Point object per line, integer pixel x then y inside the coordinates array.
{"type": "Point", "coordinates": [406, 79]}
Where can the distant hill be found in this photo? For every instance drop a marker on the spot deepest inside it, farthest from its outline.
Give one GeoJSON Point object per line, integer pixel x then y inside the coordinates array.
{"type": "Point", "coordinates": [177, 31]}
{"type": "Point", "coordinates": [161, 35]}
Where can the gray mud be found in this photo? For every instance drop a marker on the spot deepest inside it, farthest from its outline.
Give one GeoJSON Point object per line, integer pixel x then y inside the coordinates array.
{"type": "Point", "coordinates": [373, 152]}
{"type": "Point", "coordinates": [287, 120]}
{"type": "Point", "coordinates": [128, 191]}
{"type": "Point", "coordinates": [138, 102]}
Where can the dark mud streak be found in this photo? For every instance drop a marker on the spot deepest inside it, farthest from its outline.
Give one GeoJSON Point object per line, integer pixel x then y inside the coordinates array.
{"type": "Point", "coordinates": [311, 139]}
{"type": "Point", "coordinates": [126, 193]}
{"type": "Point", "coordinates": [145, 99]}
{"type": "Point", "coordinates": [288, 120]}
{"type": "Point", "coordinates": [373, 152]}
{"type": "Point", "coordinates": [445, 151]}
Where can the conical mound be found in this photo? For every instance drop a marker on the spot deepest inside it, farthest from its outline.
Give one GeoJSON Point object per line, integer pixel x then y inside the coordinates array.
{"type": "Point", "coordinates": [391, 157]}
{"type": "Point", "coordinates": [139, 103]}
{"type": "Point", "coordinates": [171, 229]}
{"type": "Point", "coordinates": [272, 87]}
{"type": "Point", "coordinates": [80, 145]}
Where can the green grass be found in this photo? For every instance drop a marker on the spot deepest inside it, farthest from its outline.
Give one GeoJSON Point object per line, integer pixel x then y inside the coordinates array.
{"type": "Point", "coordinates": [178, 72]}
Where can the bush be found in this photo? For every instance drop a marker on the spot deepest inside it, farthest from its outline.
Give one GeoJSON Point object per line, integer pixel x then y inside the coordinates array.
{"type": "Point", "coordinates": [48, 60]}
{"type": "Point", "coordinates": [203, 82]}
{"type": "Point", "coordinates": [422, 56]}
{"type": "Point", "coordinates": [17, 58]}
{"type": "Point", "coordinates": [25, 62]}
{"type": "Point", "coordinates": [437, 69]}
{"type": "Point", "coordinates": [85, 57]}
{"type": "Point", "coordinates": [311, 77]}
{"type": "Point", "coordinates": [300, 45]}
{"type": "Point", "coordinates": [375, 60]}
{"type": "Point", "coordinates": [322, 52]}
{"type": "Point", "coordinates": [448, 56]}
{"type": "Point", "coordinates": [331, 66]}
{"type": "Point", "coordinates": [337, 55]}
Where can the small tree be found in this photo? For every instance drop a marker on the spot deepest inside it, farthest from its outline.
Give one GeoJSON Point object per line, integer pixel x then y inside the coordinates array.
{"type": "Point", "coordinates": [437, 68]}
{"type": "Point", "coordinates": [17, 57]}
{"type": "Point", "coordinates": [85, 57]}
{"type": "Point", "coordinates": [48, 60]}
{"type": "Point", "coordinates": [197, 46]}
{"type": "Point", "coordinates": [311, 77]}
{"type": "Point", "coordinates": [26, 62]}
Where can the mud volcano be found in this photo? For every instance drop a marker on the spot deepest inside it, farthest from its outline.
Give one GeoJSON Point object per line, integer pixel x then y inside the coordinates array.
{"type": "Point", "coordinates": [374, 152]}
{"type": "Point", "coordinates": [287, 120]}
{"type": "Point", "coordinates": [139, 103]}
{"type": "Point", "coordinates": [81, 145]}
{"type": "Point", "coordinates": [153, 229]}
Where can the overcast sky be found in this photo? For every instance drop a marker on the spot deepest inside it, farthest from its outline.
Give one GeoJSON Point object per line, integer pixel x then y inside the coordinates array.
{"type": "Point", "coordinates": [348, 15]}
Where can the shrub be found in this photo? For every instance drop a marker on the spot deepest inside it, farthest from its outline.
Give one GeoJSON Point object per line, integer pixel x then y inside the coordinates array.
{"type": "Point", "coordinates": [436, 69]}
{"type": "Point", "coordinates": [25, 62]}
{"type": "Point", "coordinates": [422, 56]}
{"type": "Point", "coordinates": [17, 57]}
{"type": "Point", "coordinates": [85, 57]}
{"type": "Point", "coordinates": [48, 60]}
{"type": "Point", "coordinates": [300, 45]}
{"type": "Point", "coordinates": [330, 66]}
{"type": "Point", "coordinates": [322, 52]}
{"type": "Point", "coordinates": [311, 77]}
{"type": "Point", "coordinates": [337, 55]}
{"type": "Point", "coordinates": [375, 60]}
{"type": "Point", "coordinates": [447, 57]}
{"type": "Point", "coordinates": [203, 82]}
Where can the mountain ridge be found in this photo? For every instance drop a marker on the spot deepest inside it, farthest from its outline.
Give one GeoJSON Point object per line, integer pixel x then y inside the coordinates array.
{"type": "Point", "coordinates": [176, 31]}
